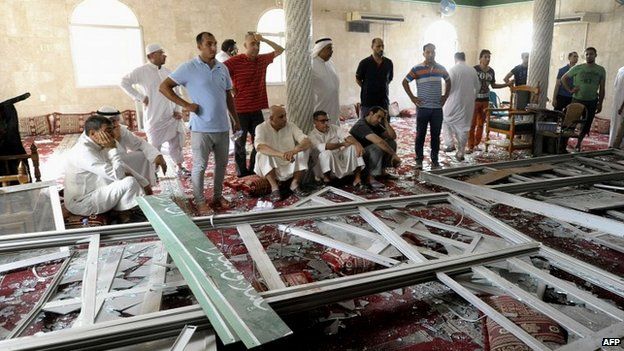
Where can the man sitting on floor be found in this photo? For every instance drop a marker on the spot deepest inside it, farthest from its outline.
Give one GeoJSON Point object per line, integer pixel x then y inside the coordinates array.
{"type": "Point", "coordinates": [96, 178]}
{"type": "Point", "coordinates": [283, 152]}
{"type": "Point", "coordinates": [378, 139]}
{"type": "Point", "coordinates": [335, 153]}
{"type": "Point", "coordinates": [137, 153]}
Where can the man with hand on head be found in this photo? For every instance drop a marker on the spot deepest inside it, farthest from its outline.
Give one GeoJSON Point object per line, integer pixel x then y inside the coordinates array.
{"type": "Point", "coordinates": [163, 119]}
{"type": "Point", "coordinates": [283, 152]}
{"type": "Point", "coordinates": [325, 82]}
{"type": "Point", "coordinates": [96, 178]}
{"type": "Point", "coordinates": [228, 49]}
{"type": "Point", "coordinates": [136, 153]}
{"type": "Point", "coordinates": [209, 86]}
{"type": "Point", "coordinates": [248, 72]}
{"type": "Point", "coordinates": [377, 136]}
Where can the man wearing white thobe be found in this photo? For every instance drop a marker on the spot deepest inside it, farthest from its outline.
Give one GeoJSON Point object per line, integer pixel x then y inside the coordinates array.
{"type": "Point", "coordinates": [282, 152]}
{"type": "Point", "coordinates": [163, 120]}
{"type": "Point", "coordinates": [325, 82]}
{"type": "Point", "coordinates": [96, 178]}
{"type": "Point", "coordinates": [459, 106]}
{"type": "Point", "coordinates": [228, 49]}
{"type": "Point", "coordinates": [618, 113]}
{"type": "Point", "coordinates": [335, 152]}
{"type": "Point", "coordinates": [137, 153]}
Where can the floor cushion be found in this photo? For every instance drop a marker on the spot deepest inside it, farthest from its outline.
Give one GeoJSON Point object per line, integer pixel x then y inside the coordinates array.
{"type": "Point", "coordinates": [535, 323]}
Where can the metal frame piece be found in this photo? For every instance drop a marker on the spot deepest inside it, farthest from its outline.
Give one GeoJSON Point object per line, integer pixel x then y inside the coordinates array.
{"type": "Point", "coordinates": [184, 338]}
{"type": "Point", "coordinates": [267, 270]}
{"type": "Point", "coordinates": [201, 263]}
{"type": "Point", "coordinates": [47, 294]}
{"type": "Point", "coordinates": [180, 237]}
{"type": "Point", "coordinates": [354, 250]}
{"type": "Point", "coordinates": [11, 266]}
{"type": "Point", "coordinates": [285, 301]}
{"type": "Point", "coordinates": [549, 210]}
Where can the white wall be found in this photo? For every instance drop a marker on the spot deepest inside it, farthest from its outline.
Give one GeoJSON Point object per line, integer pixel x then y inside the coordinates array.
{"type": "Point", "coordinates": [34, 40]}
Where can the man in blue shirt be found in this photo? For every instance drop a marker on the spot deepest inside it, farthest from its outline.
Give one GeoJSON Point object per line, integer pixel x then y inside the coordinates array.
{"type": "Point", "coordinates": [562, 97]}
{"type": "Point", "coordinates": [208, 83]}
{"type": "Point", "coordinates": [520, 72]}
{"type": "Point", "coordinates": [429, 76]}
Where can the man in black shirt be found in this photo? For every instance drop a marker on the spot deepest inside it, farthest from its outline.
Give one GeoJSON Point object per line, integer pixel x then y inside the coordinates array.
{"type": "Point", "coordinates": [378, 139]}
{"type": "Point", "coordinates": [520, 72]}
{"type": "Point", "coordinates": [373, 75]}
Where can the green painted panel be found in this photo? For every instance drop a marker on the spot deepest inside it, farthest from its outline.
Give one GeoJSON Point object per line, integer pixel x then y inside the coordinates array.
{"type": "Point", "coordinates": [209, 273]}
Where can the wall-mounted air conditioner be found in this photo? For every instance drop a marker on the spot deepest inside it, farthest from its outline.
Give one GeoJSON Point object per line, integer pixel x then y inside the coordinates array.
{"type": "Point", "coordinates": [589, 17]}
{"type": "Point", "coordinates": [374, 17]}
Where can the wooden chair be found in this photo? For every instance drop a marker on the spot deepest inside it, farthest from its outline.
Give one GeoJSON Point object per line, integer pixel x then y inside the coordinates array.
{"type": "Point", "coordinates": [513, 120]}
{"type": "Point", "coordinates": [569, 125]}
{"type": "Point", "coordinates": [14, 165]}
{"type": "Point", "coordinates": [22, 175]}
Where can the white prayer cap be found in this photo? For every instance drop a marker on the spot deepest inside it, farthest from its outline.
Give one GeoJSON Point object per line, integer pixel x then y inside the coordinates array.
{"type": "Point", "coordinates": [151, 48]}
{"type": "Point", "coordinates": [320, 45]}
{"type": "Point", "coordinates": [108, 112]}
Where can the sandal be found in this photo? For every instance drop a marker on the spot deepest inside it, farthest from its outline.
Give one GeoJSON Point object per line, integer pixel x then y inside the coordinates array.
{"type": "Point", "coordinates": [299, 193]}
{"type": "Point", "coordinates": [361, 187]}
{"type": "Point", "coordinates": [275, 196]}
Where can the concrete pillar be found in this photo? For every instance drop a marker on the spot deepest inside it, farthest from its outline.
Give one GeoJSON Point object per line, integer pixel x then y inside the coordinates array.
{"type": "Point", "coordinates": [539, 61]}
{"type": "Point", "coordinates": [298, 63]}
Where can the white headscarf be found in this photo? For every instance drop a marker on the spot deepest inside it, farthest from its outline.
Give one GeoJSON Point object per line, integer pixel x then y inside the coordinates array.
{"type": "Point", "coordinates": [320, 45]}
{"type": "Point", "coordinates": [108, 112]}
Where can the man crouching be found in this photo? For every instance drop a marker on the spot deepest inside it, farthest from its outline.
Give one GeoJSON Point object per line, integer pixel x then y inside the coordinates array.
{"type": "Point", "coordinates": [283, 152]}
{"type": "Point", "coordinates": [96, 178]}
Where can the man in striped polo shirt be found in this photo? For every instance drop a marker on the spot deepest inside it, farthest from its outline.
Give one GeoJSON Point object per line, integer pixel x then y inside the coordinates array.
{"type": "Point", "coordinates": [428, 75]}
{"type": "Point", "coordinates": [248, 72]}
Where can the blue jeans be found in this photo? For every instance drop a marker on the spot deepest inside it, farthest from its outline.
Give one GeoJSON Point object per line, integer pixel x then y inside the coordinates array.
{"type": "Point", "coordinates": [433, 118]}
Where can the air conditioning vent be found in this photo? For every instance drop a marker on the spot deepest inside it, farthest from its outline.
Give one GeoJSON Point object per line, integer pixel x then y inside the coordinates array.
{"type": "Point", "coordinates": [358, 27]}
{"type": "Point", "coordinates": [374, 17]}
{"type": "Point", "coordinates": [589, 17]}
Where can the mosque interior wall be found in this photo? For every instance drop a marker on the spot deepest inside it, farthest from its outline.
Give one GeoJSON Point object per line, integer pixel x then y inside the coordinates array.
{"type": "Point", "coordinates": [35, 42]}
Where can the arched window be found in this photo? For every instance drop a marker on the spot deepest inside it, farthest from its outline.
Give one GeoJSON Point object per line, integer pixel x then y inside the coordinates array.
{"type": "Point", "coordinates": [106, 42]}
{"type": "Point", "coordinates": [443, 35]}
{"type": "Point", "coordinates": [272, 25]}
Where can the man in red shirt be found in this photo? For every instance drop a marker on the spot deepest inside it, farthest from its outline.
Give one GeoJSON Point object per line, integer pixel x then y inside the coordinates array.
{"type": "Point", "coordinates": [248, 72]}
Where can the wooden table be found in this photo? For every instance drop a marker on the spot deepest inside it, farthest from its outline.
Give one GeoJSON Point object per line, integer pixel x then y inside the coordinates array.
{"type": "Point", "coordinates": [543, 115]}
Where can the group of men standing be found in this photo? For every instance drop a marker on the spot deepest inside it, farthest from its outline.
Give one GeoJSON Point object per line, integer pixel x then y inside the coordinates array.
{"type": "Point", "coordinates": [224, 97]}
{"type": "Point", "coordinates": [229, 96]}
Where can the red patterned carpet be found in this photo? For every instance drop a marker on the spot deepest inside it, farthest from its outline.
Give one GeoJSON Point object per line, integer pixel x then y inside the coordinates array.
{"type": "Point", "coordinates": [421, 317]}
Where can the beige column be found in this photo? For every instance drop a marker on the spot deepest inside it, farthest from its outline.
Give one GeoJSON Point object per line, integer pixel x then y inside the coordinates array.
{"type": "Point", "coordinates": [539, 61]}
{"type": "Point", "coordinates": [298, 64]}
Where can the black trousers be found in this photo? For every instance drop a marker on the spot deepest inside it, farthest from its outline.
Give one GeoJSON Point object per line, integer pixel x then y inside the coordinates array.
{"type": "Point", "coordinates": [591, 113]}
{"type": "Point", "coordinates": [249, 122]}
{"type": "Point", "coordinates": [562, 102]}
